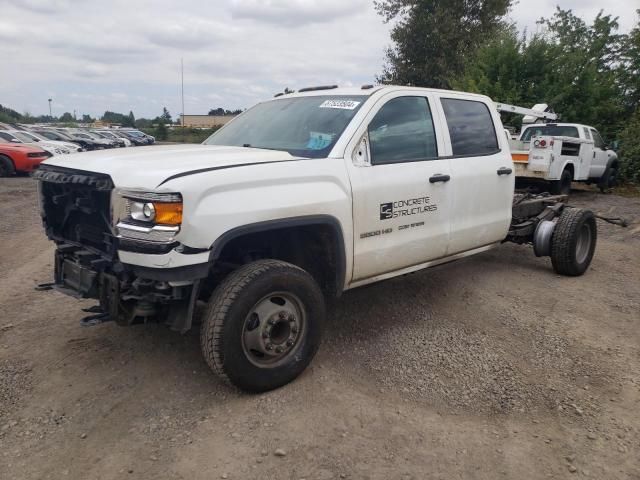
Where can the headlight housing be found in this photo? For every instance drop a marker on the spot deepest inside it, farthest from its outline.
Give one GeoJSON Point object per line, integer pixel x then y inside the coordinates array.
{"type": "Point", "coordinates": [148, 217]}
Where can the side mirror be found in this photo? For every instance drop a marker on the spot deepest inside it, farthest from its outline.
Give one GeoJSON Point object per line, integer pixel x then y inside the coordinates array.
{"type": "Point", "coordinates": [361, 155]}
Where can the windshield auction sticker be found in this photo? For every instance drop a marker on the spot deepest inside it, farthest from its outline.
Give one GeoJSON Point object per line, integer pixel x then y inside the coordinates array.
{"type": "Point", "coordinates": [341, 104]}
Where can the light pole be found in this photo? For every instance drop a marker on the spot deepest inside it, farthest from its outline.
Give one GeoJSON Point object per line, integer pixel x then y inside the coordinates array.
{"type": "Point", "coordinates": [50, 115]}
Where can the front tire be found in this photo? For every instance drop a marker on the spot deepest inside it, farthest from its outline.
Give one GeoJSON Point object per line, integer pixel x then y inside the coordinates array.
{"type": "Point", "coordinates": [574, 242]}
{"type": "Point", "coordinates": [609, 179]}
{"type": "Point", "coordinates": [7, 168]}
{"type": "Point", "coordinates": [263, 325]}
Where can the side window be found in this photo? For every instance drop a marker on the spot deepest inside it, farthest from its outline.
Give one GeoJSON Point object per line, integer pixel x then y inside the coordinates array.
{"type": "Point", "coordinates": [402, 131]}
{"type": "Point", "coordinates": [597, 139]}
{"type": "Point", "coordinates": [470, 127]}
{"type": "Point", "coordinates": [5, 136]}
{"type": "Point", "coordinates": [587, 135]}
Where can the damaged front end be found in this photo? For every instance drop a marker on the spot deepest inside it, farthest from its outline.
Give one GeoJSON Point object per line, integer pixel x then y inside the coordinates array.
{"type": "Point", "coordinates": [79, 212]}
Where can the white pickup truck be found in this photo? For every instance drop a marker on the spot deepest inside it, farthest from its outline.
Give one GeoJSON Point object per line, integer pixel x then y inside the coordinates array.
{"type": "Point", "coordinates": [296, 200]}
{"type": "Point", "coordinates": [564, 152]}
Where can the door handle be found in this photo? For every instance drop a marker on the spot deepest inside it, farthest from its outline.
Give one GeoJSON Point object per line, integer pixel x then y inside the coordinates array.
{"type": "Point", "coordinates": [438, 177]}
{"type": "Point", "coordinates": [504, 171]}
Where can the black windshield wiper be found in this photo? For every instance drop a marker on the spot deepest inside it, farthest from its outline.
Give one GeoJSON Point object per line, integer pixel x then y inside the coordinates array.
{"type": "Point", "coordinates": [246, 145]}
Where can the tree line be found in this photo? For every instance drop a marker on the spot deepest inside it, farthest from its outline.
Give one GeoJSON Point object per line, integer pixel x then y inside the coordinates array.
{"type": "Point", "coordinates": [588, 72]}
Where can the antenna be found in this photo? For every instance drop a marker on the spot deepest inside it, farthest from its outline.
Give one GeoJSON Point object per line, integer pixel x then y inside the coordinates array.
{"type": "Point", "coordinates": [182, 77]}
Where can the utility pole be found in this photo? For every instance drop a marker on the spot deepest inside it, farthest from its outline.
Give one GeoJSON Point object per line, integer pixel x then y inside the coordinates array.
{"type": "Point", "coordinates": [50, 115]}
{"type": "Point", "coordinates": [182, 79]}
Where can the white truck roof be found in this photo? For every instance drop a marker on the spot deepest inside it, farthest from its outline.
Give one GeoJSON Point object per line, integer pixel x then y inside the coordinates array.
{"type": "Point", "coordinates": [371, 90]}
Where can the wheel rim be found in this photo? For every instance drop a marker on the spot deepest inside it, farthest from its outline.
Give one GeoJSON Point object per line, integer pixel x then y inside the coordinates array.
{"type": "Point", "coordinates": [273, 329]}
{"type": "Point", "coordinates": [583, 245]}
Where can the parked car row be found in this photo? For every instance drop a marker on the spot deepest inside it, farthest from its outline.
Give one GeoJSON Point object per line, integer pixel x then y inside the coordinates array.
{"type": "Point", "coordinates": [22, 148]}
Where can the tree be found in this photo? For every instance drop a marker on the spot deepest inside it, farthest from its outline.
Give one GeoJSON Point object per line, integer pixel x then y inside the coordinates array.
{"type": "Point", "coordinates": [166, 116]}
{"type": "Point", "coordinates": [8, 115]}
{"type": "Point", "coordinates": [222, 111]}
{"type": "Point", "coordinates": [130, 120]}
{"type": "Point", "coordinates": [87, 119]}
{"type": "Point", "coordinates": [572, 66]}
{"type": "Point", "coordinates": [433, 39]}
{"type": "Point", "coordinates": [630, 149]}
{"type": "Point", "coordinates": [66, 118]}
{"type": "Point", "coordinates": [630, 67]}
{"type": "Point", "coordinates": [161, 131]}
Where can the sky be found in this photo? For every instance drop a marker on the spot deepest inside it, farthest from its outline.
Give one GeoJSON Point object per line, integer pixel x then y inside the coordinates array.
{"type": "Point", "coordinates": [121, 55]}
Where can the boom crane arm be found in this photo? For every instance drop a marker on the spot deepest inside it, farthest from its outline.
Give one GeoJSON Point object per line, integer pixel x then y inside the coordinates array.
{"type": "Point", "coordinates": [540, 110]}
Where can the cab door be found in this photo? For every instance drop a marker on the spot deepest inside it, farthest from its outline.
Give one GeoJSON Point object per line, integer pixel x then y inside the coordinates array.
{"type": "Point", "coordinates": [482, 172]}
{"type": "Point", "coordinates": [401, 194]}
{"type": "Point", "coordinates": [600, 156]}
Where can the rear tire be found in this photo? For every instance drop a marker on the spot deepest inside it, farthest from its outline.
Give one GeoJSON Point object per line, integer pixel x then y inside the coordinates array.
{"type": "Point", "coordinates": [7, 168]}
{"type": "Point", "coordinates": [562, 186]}
{"type": "Point", "coordinates": [574, 242]}
{"type": "Point", "coordinates": [263, 325]}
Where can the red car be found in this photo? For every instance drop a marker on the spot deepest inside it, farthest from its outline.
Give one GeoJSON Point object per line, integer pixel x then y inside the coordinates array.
{"type": "Point", "coordinates": [20, 158]}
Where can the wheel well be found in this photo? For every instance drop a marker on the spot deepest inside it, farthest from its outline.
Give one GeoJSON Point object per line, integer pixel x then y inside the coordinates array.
{"type": "Point", "coordinates": [317, 247]}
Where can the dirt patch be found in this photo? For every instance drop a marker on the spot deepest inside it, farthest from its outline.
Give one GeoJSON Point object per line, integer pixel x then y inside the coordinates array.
{"type": "Point", "coordinates": [491, 367]}
{"type": "Point", "coordinates": [15, 381]}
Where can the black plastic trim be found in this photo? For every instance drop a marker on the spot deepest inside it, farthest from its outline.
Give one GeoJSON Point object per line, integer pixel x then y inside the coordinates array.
{"type": "Point", "coordinates": [341, 260]}
{"type": "Point", "coordinates": [178, 274]}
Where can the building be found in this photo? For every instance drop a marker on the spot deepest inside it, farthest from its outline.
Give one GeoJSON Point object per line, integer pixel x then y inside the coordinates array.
{"type": "Point", "coordinates": [204, 121]}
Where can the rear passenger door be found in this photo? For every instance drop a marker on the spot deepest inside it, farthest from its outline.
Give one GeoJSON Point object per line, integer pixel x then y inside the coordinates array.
{"type": "Point", "coordinates": [482, 177]}
{"type": "Point", "coordinates": [401, 197]}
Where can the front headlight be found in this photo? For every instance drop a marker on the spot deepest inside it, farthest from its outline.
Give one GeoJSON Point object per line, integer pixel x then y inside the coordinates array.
{"type": "Point", "coordinates": [147, 216]}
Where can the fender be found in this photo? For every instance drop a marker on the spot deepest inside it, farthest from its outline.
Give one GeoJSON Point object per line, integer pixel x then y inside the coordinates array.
{"type": "Point", "coordinates": [564, 167]}
{"type": "Point", "coordinates": [612, 159]}
{"type": "Point", "coordinates": [280, 223]}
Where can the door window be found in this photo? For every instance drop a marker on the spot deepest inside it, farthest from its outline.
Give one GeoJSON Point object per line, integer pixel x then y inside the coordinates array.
{"type": "Point", "coordinates": [597, 139]}
{"type": "Point", "coordinates": [402, 131]}
{"type": "Point", "coordinates": [470, 127]}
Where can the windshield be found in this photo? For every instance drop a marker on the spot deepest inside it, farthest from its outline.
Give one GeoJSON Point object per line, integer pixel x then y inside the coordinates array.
{"type": "Point", "coordinates": [551, 130]}
{"type": "Point", "coordinates": [25, 137]}
{"type": "Point", "coordinates": [302, 126]}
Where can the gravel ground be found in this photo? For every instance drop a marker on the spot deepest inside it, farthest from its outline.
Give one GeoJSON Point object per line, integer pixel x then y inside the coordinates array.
{"type": "Point", "coordinates": [491, 367]}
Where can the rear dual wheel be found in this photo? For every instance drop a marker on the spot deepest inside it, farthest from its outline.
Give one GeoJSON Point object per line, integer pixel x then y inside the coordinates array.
{"type": "Point", "coordinates": [263, 325]}
{"type": "Point", "coordinates": [574, 241]}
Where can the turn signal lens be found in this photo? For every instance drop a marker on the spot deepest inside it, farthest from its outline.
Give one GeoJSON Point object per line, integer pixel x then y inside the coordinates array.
{"type": "Point", "coordinates": [168, 213]}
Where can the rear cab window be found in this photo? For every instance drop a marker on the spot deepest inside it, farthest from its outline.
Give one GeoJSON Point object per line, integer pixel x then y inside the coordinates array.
{"type": "Point", "coordinates": [471, 127]}
{"type": "Point", "coordinates": [550, 130]}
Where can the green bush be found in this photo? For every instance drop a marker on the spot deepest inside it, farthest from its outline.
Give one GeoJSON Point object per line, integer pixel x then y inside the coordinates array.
{"type": "Point", "coordinates": [629, 152]}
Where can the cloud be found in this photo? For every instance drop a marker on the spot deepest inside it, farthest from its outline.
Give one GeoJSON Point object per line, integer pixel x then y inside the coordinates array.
{"type": "Point", "coordinates": [121, 55]}
{"type": "Point", "coordinates": [189, 33]}
{"type": "Point", "coordinates": [92, 70]}
{"type": "Point", "coordinates": [296, 12]}
{"type": "Point", "coordinates": [44, 6]}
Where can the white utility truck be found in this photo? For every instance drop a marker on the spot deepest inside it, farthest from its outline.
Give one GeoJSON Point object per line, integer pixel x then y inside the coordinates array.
{"type": "Point", "coordinates": [296, 200]}
{"type": "Point", "coordinates": [560, 153]}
